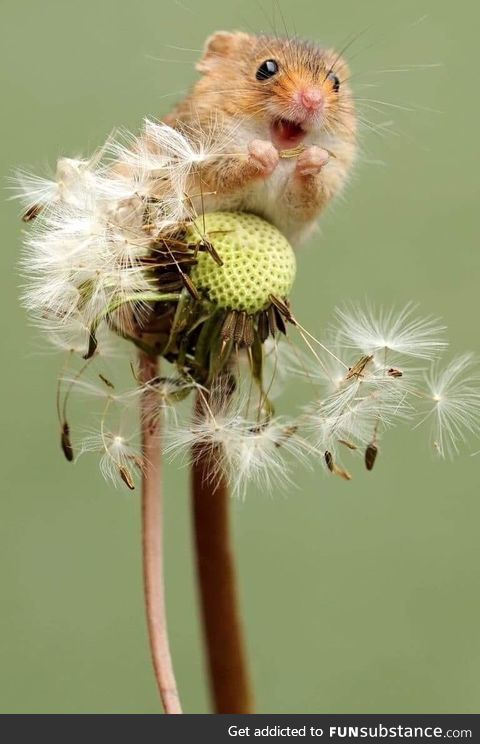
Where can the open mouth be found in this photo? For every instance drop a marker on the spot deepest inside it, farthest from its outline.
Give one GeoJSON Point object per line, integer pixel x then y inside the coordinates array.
{"type": "Point", "coordinates": [286, 133]}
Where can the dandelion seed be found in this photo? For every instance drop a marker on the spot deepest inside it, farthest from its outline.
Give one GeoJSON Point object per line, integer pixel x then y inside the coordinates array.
{"type": "Point", "coordinates": [334, 468]}
{"type": "Point", "coordinates": [164, 159]}
{"type": "Point", "coordinates": [390, 331]}
{"type": "Point", "coordinates": [66, 442]}
{"type": "Point", "coordinates": [371, 453]}
{"type": "Point", "coordinates": [244, 451]}
{"type": "Point", "coordinates": [118, 455]}
{"type": "Point", "coordinates": [329, 460]}
{"type": "Point", "coordinates": [358, 368]}
{"type": "Point", "coordinates": [349, 445]}
{"type": "Point", "coordinates": [72, 336]}
{"type": "Point", "coordinates": [356, 403]}
{"type": "Point", "coordinates": [126, 477]}
{"type": "Point", "coordinates": [258, 456]}
{"type": "Point", "coordinates": [394, 372]}
{"type": "Point", "coordinates": [34, 192]}
{"type": "Point", "coordinates": [341, 472]}
{"type": "Point", "coordinates": [453, 397]}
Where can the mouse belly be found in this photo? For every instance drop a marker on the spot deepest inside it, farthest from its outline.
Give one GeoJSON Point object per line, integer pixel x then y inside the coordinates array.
{"type": "Point", "coordinates": [270, 199]}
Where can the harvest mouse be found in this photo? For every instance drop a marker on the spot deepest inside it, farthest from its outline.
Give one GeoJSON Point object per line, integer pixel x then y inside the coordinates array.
{"type": "Point", "coordinates": [284, 117]}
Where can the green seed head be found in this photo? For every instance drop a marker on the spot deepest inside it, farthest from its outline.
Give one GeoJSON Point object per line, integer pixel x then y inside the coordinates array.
{"type": "Point", "coordinates": [257, 262]}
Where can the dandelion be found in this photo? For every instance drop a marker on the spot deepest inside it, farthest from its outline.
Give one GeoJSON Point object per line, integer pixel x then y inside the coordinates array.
{"type": "Point", "coordinates": [117, 248]}
{"type": "Point", "coordinates": [120, 246]}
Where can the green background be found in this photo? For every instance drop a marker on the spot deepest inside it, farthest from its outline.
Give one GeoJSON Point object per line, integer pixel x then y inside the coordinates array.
{"type": "Point", "coordinates": [359, 597]}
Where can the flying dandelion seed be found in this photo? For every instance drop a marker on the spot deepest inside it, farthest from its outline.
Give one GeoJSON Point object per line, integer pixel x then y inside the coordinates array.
{"type": "Point", "coordinates": [453, 399]}
{"type": "Point", "coordinates": [393, 333]}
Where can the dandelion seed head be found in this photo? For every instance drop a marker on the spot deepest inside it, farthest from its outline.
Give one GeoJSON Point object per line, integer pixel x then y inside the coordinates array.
{"type": "Point", "coordinates": [116, 248]}
{"type": "Point", "coordinates": [258, 262]}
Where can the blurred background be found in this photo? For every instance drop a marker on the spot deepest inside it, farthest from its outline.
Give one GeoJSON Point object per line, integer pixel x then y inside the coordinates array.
{"type": "Point", "coordinates": [358, 597]}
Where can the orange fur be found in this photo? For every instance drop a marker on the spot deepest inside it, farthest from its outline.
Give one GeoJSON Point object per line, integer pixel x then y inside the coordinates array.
{"type": "Point", "coordinates": [230, 98]}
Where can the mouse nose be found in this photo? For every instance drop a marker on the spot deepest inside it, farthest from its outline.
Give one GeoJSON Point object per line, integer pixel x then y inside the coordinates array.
{"type": "Point", "coordinates": [312, 99]}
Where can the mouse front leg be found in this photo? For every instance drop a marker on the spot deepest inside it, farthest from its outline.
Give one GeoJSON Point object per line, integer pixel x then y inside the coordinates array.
{"type": "Point", "coordinates": [263, 156]}
{"type": "Point", "coordinates": [311, 161]}
{"type": "Point", "coordinates": [308, 190]}
{"type": "Point", "coordinates": [235, 172]}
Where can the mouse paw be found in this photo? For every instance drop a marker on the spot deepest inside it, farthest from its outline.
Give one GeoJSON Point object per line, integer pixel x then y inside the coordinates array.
{"type": "Point", "coordinates": [264, 155]}
{"type": "Point", "coordinates": [311, 161]}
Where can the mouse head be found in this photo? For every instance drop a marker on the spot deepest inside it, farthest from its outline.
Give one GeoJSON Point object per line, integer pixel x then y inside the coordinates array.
{"type": "Point", "coordinates": [291, 85]}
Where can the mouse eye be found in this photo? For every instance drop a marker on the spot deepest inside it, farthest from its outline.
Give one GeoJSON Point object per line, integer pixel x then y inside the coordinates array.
{"type": "Point", "coordinates": [267, 69]}
{"type": "Point", "coordinates": [334, 81]}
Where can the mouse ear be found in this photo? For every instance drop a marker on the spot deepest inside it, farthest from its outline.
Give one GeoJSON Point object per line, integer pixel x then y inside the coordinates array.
{"type": "Point", "coordinates": [218, 46]}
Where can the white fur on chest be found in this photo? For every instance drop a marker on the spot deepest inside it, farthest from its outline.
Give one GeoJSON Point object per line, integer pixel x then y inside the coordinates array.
{"type": "Point", "coordinates": [264, 197]}
{"type": "Point", "coordinates": [267, 197]}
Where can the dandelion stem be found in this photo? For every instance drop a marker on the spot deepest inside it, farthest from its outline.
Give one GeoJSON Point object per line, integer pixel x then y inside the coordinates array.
{"type": "Point", "coordinates": [227, 666]}
{"type": "Point", "coordinates": [152, 543]}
